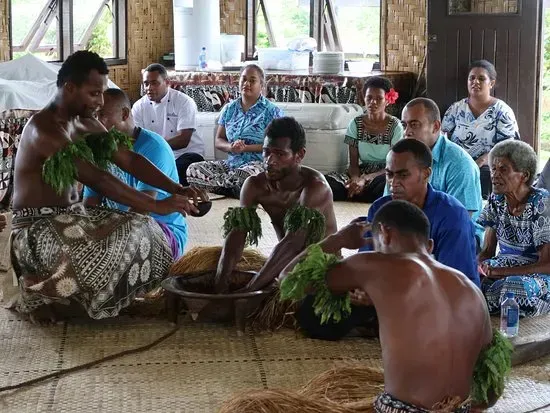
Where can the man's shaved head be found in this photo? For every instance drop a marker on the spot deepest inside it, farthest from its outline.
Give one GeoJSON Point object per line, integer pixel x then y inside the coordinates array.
{"type": "Point", "coordinates": [118, 96]}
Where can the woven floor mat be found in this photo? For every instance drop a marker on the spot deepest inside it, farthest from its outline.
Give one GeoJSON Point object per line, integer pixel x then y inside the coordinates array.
{"type": "Point", "coordinates": [193, 371]}
{"type": "Point", "coordinates": [533, 341]}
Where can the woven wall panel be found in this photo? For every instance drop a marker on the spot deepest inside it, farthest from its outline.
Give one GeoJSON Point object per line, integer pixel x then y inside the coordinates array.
{"type": "Point", "coordinates": [4, 31]}
{"type": "Point", "coordinates": [404, 31]}
{"type": "Point", "coordinates": [150, 35]}
{"type": "Point", "coordinates": [495, 6]}
{"type": "Point", "coordinates": [233, 16]}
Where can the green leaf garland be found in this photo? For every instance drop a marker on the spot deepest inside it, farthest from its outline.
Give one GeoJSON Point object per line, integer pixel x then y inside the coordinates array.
{"type": "Point", "coordinates": [492, 366]}
{"type": "Point", "coordinates": [309, 274]}
{"type": "Point", "coordinates": [301, 217]}
{"type": "Point", "coordinates": [59, 171]}
{"type": "Point", "coordinates": [245, 219]}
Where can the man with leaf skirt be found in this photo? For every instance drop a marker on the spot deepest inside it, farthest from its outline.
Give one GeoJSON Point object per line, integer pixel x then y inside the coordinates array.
{"type": "Point", "coordinates": [298, 200]}
{"type": "Point", "coordinates": [61, 251]}
{"type": "Point", "coordinates": [438, 349]}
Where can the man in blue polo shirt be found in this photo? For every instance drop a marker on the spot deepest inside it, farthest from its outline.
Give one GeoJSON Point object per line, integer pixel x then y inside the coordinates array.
{"type": "Point", "coordinates": [453, 171]}
{"type": "Point", "coordinates": [116, 112]}
{"type": "Point", "coordinates": [408, 170]}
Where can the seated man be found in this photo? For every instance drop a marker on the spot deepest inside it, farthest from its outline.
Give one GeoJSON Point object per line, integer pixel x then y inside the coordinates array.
{"type": "Point", "coordinates": [116, 112]}
{"type": "Point", "coordinates": [283, 190]}
{"type": "Point", "coordinates": [453, 169]}
{"type": "Point", "coordinates": [62, 251]}
{"type": "Point", "coordinates": [171, 114]}
{"type": "Point", "coordinates": [408, 169]}
{"type": "Point", "coordinates": [434, 323]}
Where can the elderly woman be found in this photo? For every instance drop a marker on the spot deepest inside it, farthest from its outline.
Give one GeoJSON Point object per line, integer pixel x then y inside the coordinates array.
{"type": "Point", "coordinates": [480, 121]}
{"type": "Point", "coordinates": [369, 137]}
{"type": "Point", "coordinates": [517, 220]}
{"type": "Point", "coordinates": [240, 134]}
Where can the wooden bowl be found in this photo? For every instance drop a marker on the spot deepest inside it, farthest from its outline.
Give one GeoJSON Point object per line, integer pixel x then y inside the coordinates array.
{"type": "Point", "coordinates": [203, 208]}
{"type": "Point", "coordinates": [196, 290]}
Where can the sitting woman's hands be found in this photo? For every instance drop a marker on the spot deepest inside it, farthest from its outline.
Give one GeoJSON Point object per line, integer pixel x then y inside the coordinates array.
{"type": "Point", "coordinates": [355, 185]}
{"type": "Point", "coordinates": [238, 146]}
{"type": "Point", "coordinates": [491, 272]}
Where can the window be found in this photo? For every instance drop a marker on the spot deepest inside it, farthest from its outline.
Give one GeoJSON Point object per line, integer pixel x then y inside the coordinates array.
{"type": "Point", "coordinates": [351, 26]}
{"type": "Point", "coordinates": [53, 29]}
{"type": "Point", "coordinates": [286, 19]}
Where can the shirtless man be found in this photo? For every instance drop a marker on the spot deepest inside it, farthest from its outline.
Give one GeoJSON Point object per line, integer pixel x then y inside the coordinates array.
{"type": "Point", "coordinates": [433, 320]}
{"type": "Point", "coordinates": [285, 183]}
{"type": "Point", "coordinates": [62, 251]}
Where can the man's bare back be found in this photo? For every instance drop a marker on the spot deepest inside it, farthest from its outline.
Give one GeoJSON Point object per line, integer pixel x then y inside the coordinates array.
{"type": "Point", "coordinates": [433, 321]}
{"type": "Point", "coordinates": [433, 325]}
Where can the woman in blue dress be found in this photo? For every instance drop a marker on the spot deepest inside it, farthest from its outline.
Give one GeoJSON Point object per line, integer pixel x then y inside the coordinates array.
{"type": "Point", "coordinates": [480, 121]}
{"type": "Point", "coordinates": [240, 134]}
{"type": "Point", "coordinates": [517, 221]}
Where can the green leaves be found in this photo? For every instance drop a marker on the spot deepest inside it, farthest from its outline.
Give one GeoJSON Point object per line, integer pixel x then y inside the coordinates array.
{"type": "Point", "coordinates": [245, 219]}
{"type": "Point", "coordinates": [491, 369]}
{"type": "Point", "coordinates": [301, 217]}
{"type": "Point", "coordinates": [309, 275]}
{"type": "Point", "coordinates": [59, 170]}
{"type": "Point", "coordinates": [104, 145]}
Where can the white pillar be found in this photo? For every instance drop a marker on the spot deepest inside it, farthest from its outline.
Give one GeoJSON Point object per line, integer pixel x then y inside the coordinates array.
{"type": "Point", "coordinates": [196, 24]}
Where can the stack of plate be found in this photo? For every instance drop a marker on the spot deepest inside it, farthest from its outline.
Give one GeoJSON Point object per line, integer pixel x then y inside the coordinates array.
{"type": "Point", "coordinates": [328, 62]}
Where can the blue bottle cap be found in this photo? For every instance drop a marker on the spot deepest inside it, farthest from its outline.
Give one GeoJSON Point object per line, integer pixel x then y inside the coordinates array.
{"type": "Point", "coordinates": [509, 294]}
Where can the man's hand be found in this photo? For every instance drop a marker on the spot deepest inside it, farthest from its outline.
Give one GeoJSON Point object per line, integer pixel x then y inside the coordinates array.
{"type": "Point", "coordinates": [3, 222]}
{"type": "Point", "coordinates": [192, 193]}
{"type": "Point", "coordinates": [360, 298]}
{"type": "Point", "coordinates": [482, 160]}
{"type": "Point", "coordinates": [238, 146]}
{"type": "Point", "coordinates": [175, 203]}
{"type": "Point", "coordinates": [352, 235]}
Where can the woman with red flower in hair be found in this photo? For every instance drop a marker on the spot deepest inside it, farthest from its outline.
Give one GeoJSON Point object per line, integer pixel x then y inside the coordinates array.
{"type": "Point", "coordinates": [369, 137]}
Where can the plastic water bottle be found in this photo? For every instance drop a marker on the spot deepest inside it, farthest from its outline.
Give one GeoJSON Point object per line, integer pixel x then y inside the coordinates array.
{"type": "Point", "coordinates": [202, 59]}
{"type": "Point", "coordinates": [509, 316]}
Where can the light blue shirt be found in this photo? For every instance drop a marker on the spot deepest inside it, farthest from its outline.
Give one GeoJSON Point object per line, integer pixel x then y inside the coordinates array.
{"type": "Point", "coordinates": [456, 173]}
{"type": "Point", "coordinates": [248, 126]}
{"type": "Point", "coordinates": [155, 148]}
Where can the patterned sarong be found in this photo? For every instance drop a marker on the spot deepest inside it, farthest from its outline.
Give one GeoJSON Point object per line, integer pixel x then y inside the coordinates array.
{"type": "Point", "coordinates": [372, 191]}
{"type": "Point", "coordinates": [365, 169]}
{"type": "Point", "coordinates": [99, 257]}
{"type": "Point", "coordinates": [215, 176]}
{"type": "Point", "coordinates": [386, 403]}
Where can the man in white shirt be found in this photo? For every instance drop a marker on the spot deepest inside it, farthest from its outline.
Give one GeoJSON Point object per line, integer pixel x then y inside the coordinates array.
{"type": "Point", "coordinates": [171, 114]}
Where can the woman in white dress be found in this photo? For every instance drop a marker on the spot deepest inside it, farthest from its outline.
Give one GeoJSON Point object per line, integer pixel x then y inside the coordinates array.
{"type": "Point", "coordinates": [480, 121]}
